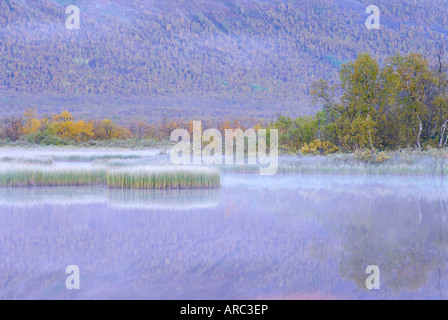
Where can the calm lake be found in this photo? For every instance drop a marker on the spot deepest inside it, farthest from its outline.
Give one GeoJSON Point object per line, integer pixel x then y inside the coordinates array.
{"type": "Point", "coordinates": [281, 237]}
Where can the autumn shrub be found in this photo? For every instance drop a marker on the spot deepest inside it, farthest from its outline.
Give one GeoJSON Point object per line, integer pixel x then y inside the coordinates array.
{"type": "Point", "coordinates": [62, 129]}
{"type": "Point", "coordinates": [108, 130]}
{"type": "Point", "coordinates": [142, 130]}
{"type": "Point", "coordinates": [11, 128]}
{"type": "Point", "coordinates": [437, 153]}
{"type": "Point", "coordinates": [31, 124]}
{"type": "Point", "coordinates": [295, 133]}
{"type": "Point", "coordinates": [317, 147]}
{"type": "Point", "coordinates": [371, 156]}
{"type": "Point", "coordinates": [46, 139]}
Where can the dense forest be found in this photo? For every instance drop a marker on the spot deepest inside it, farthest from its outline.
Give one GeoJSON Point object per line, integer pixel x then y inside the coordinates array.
{"type": "Point", "coordinates": [224, 51]}
{"type": "Point", "coordinates": [403, 104]}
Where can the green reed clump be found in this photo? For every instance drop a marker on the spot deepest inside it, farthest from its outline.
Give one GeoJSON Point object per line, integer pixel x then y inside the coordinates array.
{"type": "Point", "coordinates": [91, 158]}
{"type": "Point", "coordinates": [22, 160]}
{"type": "Point", "coordinates": [163, 178]}
{"type": "Point", "coordinates": [18, 176]}
{"type": "Point", "coordinates": [125, 178]}
{"type": "Point", "coordinates": [396, 163]}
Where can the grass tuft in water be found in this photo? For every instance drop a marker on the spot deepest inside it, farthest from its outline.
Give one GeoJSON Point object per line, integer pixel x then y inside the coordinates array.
{"type": "Point", "coordinates": [163, 178]}
{"type": "Point", "coordinates": [126, 178]}
{"type": "Point", "coordinates": [21, 176]}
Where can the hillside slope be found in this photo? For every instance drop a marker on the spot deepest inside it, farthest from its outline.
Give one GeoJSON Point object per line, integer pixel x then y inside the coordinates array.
{"type": "Point", "coordinates": [233, 51]}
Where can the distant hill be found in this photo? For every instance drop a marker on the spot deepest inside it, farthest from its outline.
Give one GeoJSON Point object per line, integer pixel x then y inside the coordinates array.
{"type": "Point", "coordinates": [201, 57]}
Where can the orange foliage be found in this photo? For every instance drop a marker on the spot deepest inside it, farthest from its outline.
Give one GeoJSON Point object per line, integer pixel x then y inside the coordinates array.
{"type": "Point", "coordinates": [108, 130]}
{"type": "Point", "coordinates": [66, 128]}
{"type": "Point", "coordinates": [32, 124]}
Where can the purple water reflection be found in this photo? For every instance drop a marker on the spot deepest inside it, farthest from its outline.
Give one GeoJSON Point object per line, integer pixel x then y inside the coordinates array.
{"type": "Point", "coordinates": [289, 237]}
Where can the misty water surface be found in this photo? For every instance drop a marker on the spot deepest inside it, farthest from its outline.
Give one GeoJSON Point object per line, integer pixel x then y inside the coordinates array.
{"type": "Point", "coordinates": [281, 237]}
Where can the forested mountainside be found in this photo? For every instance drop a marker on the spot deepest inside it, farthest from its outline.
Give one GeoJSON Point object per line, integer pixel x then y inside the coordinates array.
{"type": "Point", "coordinates": [248, 50]}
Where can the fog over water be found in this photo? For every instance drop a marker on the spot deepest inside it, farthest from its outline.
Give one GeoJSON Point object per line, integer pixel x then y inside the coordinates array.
{"type": "Point", "coordinates": [286, 236]}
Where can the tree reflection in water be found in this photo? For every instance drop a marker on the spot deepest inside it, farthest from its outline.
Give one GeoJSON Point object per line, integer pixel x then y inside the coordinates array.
{"type": "Point", "coordinates": [258, 237]}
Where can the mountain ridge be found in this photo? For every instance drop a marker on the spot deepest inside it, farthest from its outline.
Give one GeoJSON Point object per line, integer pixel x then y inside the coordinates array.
{"type": "Point", "coordinates": [266, 51]}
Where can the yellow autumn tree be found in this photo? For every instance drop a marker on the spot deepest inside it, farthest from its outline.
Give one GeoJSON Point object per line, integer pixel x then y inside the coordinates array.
{"type": "Point", "coordinates": [32, 123]}
{"type": "Point", "coordinates": [66, 128]}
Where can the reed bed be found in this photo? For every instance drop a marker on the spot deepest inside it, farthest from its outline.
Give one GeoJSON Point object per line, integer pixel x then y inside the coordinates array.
{"type": "Point", "coordinates": [346, 164]}
{"type": "Point", "coordinates": [23, 160]}
{"type": "Point", "coordinates": [36, 155]}
{"type": "Point", "coordinates": [92, 158]}
{"type": "Point", "coordinates": [168, 177]}
{"type": "Point", "coordinates": [35, 176]}
{"type": "Point", "coordinates": [366, 169]}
